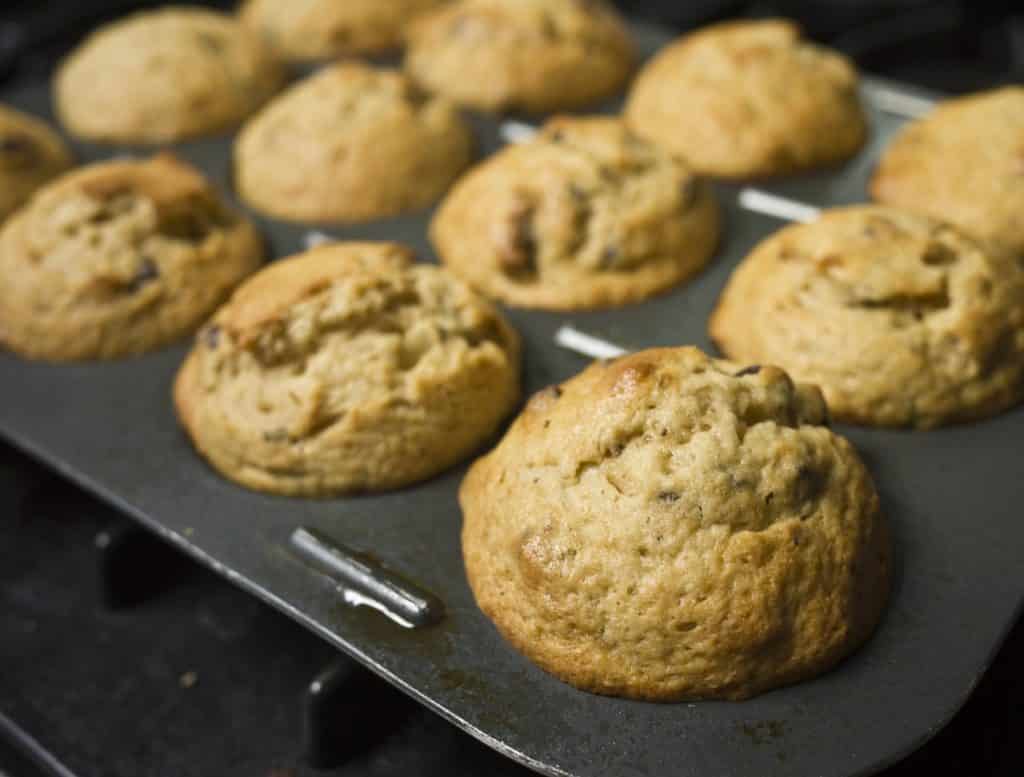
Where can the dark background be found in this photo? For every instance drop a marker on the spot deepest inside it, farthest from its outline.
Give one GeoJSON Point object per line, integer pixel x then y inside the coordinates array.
{"type": "Point", "coordinates": [953, 45]}
{"type": "Point", "coordinates": [113, 697]}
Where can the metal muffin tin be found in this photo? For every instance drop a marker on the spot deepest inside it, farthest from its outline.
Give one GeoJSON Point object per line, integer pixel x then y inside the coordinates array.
{"type": "Point", "coordinates": [954, 497]}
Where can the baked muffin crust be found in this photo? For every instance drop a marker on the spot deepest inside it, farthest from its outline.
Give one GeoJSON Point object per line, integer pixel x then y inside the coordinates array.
{"type": "Point", "coordinates": [900, 319]}
{"type": "Point", "coordinates": [585, 215]}
{"type": "Point", "coordinates": [119, 258]}
{"type": "Point", "coordinates": [668, 526]}
{"type": "Point", "coordinates": [747, 99]}
{"type": "Point", "coordinates": [347, 368]}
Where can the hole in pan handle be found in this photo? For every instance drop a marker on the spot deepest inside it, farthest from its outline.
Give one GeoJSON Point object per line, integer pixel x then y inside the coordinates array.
{"type": "Point", "coordinates": [572, 339]}
{"type": "Point", "coordinates": [898, 103]}
{"type": "Point", "coordinates": [314, 239]}
{"type": "Point", "coordinates": [517, 131]}
{"type": "Point", "coordinates": [783, 208]}
{"type": "Point", "coordinates": [366, 582]}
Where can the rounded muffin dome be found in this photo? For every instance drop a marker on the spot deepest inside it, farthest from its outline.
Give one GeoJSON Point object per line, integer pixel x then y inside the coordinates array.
{"type": "Point", "coordinates": [118, 258]}
{"type": "Point", "coordinates": [744, 99]}
{"type": "Point", "coordinates": [584, 215]}
{"type": "Point", "coordinates": [668, 526]}
{"type": "Point", "coordinates": [347, 368]}
{"type": "Point", "coordinates": [900, 319]}
{"type": "Point", "coordinates": [535, 56]}
{"type": "Point", "coordinates": [303, 30]}
{"type": "Point", "coordinates": [962, 163]}
{"type": "Point", "coordinates": [31, 154]}
{"type": "Point", "coordinates": [165, 75]}
{"type": "Point", "coordinates": [350, 143]}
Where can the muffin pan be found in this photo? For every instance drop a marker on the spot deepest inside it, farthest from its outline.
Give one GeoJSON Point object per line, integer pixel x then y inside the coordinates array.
{"type": "Point", "coordinates": [953, 497]}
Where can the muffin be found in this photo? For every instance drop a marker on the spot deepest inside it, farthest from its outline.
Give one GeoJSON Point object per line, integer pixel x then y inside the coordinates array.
{"type": "Point", "coordinates": [744, 99]}
{"type": "Point", "coordinates": [347, 368]}
{"type": "Point", "coordinates": [164, 75]}
{"type": "Point", "coordinates": [585, 215]}
{"type": "Point", "coordinates": [534, 56]}
{"type": "Point", "coordinates": [351, 143]}
{"type": "Point", "coordinates": [318, 29]}
{"type": "Point", "coordinates": [901, 320]}
{"type": "Point", "coordinates": [667, 526]}
{"type": "Point", "coordinates": [30, 155]}
{"type": "Point", "coordinates": [963, 163]}
{"type": "Point", "coordinates": [118, 258]}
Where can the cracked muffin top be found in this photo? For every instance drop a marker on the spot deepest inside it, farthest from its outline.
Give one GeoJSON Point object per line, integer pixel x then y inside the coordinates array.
{"type": "Point", "coordinates": [584, 215]}
{"type": "Point", "coordinates": [118, 258]}
{"type": "Point", "coordinates": [901, 320]}
{"type": "Point", "coordinates": [745, 99]}
{"type": "Point", "coordinates": [534, 56]}
{"type": "Point", "coordinates": [164, 75]}
{"type": "Point", "coordinates": [31, 153]}
{"type": "Point", "coordinates": [962, 163]}
{"type": "Point", "coordinates": [303, 30]}
{"type": "Point", "coordinates": [669, 526]}
{"type": "Point", "coordinates": [350, 143]}
{"type": "Point", "coordinates": [347, 368]}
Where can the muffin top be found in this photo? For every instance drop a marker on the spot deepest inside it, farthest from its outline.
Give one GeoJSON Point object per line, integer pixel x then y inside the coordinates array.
{"type": "Point", "coordinates": [165, 75]}
{"type": "Point", "coordinates": [347, 368]}
{"type": "Point", "coordinates": [302, 30]}
{"type": "Point", "coordinates": [117, 258]}
{"type": "Point", "coordinates": [535, 56]}
{"type": "Point", "coordinates": [584, 215]}
{"type": "Point", "coordinates": [350, 143]}
{"type": "Point", "coordinates": [744, 99]}
{"type": "Point", "coordinates": [30, 155]}
{"type": "Point", "coordinates": [963, 163]}
{"type": "Point", "coordinates": [900, 319]}
{"type": "Point", "coordinates": [669, 526]}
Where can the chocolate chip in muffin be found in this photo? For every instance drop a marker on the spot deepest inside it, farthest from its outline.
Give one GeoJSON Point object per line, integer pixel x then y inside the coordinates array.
{"type": "Point", "coordinates": [18, 151]}
{"type": "Point", "coordinates": [341, 36]}
{"type": "Point", "coordinates": [809, 484]}
{"type": "Point", "coordinates": [548, 28]}
{"type": "Point", "coordinates": [610, 256]}
{"type": "Point", "coordinates": [210, 42]}
{"type": "Point", "coordinates": [192, 220]}
{"type": "Point", "coordinates": [211, 336]}
{"type": "Point", "coordinates": [416, 97]}
{"type": "Point", "coordinates": [517, 248]}
{"type": "Point", "coordinates": [938, 254]}
{"type": "Point", "coordinates": [688, 191]}
{"type": "Point", "coordinates": [147, 273]}
{"type": "Point", "coordinates": [276, 435]}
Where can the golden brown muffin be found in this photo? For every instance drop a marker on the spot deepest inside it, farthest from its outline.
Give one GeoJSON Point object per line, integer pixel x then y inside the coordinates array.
{"type": "Point", "coordinates": [668, 526]}
{"type": "Point", "coordinates": [963, 163]}
{"type": "Point", "coordinates": [351, 143]}
{"type": "Point", "coordinates": [585, 215]}
{"type": "Point", "coordinates": [302, 30]}
{"type": "Point", "coordinates": [535, 56]}
{"type": "Point", "coordinates": [347, 368]}
{"type": "Point", "coordinates": [118, 258]}
{"type": "Point", "coordinates": [744, 99]}
{"type": "Point", "coordinates": [901, 320]}
{"type": "Point", "coordinates": [30, 155]}
{"type": "Point", "coordinates": [165, 75]}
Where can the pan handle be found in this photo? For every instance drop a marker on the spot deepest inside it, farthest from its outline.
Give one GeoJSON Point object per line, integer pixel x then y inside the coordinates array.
{"type": "Point", "coordinates": [365, 582]}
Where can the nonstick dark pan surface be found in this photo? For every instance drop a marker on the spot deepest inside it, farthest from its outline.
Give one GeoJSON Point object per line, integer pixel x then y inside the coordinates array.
{"type": "Point", "coordinates": [954, 497]}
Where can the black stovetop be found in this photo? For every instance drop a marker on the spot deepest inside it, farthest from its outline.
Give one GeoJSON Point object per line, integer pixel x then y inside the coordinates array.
{"type": "Point", "coordinates": [119, 658]}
